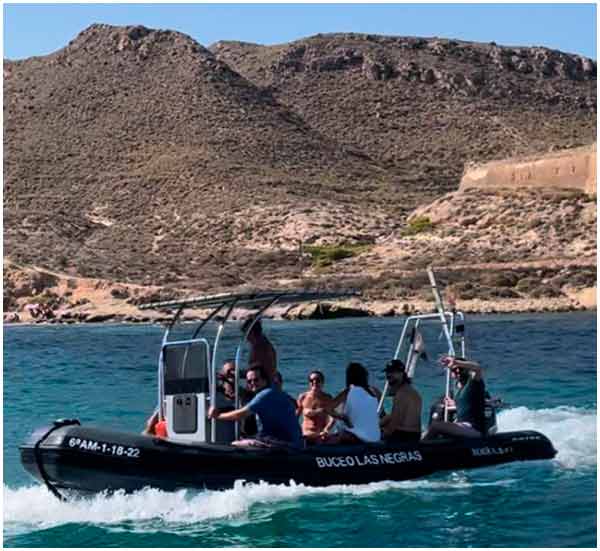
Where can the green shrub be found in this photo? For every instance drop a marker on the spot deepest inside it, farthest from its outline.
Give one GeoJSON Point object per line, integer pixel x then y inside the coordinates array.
{"type": "Point", "coordinates": [419, 224]}
{"type": "Point", "coordinates": [325, 255]}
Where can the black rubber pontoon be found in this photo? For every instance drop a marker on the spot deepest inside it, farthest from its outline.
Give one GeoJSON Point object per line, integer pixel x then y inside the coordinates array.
{"type": "Point", "coordinates": [85, 459]}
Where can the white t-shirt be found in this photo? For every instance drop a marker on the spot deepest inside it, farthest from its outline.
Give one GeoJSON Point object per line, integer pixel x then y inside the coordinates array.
{"type": "Point", "coordinates": [361, 409]}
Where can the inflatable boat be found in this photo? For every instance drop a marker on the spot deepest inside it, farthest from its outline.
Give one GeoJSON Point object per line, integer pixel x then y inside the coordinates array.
{"type": "Point", "coordinates": [196, 451]}
{"type": "Point", "coordinates": [68, 456]}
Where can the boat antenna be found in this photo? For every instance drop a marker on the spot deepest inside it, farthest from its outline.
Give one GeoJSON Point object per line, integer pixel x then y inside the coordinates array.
{"type": "Point", "coordinates": [440, 308]}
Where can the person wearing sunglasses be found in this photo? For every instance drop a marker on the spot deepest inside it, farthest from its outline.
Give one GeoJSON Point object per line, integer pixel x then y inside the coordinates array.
{"type": "Point", "coordinates": [275, 414]}
{"type": "Point", "coordinates": [312, 405]}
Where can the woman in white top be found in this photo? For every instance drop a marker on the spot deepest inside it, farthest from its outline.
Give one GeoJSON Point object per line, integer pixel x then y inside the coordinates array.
{"type": "Point", "coordinates": [360, 418]}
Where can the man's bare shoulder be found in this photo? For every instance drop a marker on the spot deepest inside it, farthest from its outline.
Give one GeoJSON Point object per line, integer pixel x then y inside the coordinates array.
{"type": "Point", "coordinates": [407, 392]}
{"type": "Point", "coordinates": [302, 396]}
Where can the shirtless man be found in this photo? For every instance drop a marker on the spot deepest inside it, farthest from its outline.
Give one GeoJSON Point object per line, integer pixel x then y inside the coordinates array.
{"type": "Point", "coordinates": [403, 424]}
{"type": "Point", "coordinates": [261, 349]}
{"type": "Point", "coordinates": [311, 405]}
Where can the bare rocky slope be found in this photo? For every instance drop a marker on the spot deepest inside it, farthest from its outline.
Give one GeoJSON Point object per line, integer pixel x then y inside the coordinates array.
{"type": "Point", "coordinates": [425, 107]}
{"type": "Point", "coordinates": [139, 164]}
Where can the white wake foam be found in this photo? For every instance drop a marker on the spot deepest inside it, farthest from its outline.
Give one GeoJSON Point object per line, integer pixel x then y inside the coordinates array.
{"type": "Point", "coordinates": [35, 507]}
{"type": "Point", "coordinates": [571, 430]}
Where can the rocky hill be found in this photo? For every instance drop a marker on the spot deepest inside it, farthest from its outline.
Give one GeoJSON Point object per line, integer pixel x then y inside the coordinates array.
{"type": "Point", "coordinates": [138, 161]}
{"type": "Point", "coordinates": [425, 107]}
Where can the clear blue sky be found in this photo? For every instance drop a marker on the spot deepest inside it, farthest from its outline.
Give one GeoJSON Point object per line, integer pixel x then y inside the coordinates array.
{"type": "Point", "coordinates": [31, 29]}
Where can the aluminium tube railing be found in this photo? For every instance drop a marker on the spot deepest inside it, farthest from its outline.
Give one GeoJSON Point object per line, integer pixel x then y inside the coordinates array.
{"type": "Point", "coordinates": [416, 319]}
{"type": "Point", "coordinates": [213, 379]}
{"type": "Point", "coordinates": [238, 353]}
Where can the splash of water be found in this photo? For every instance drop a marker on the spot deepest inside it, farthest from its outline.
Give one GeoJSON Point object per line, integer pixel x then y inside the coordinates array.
{"type": "Point", "coordinates": [571, 430]}
{"type": "Point", "coordinates": [34, 506]}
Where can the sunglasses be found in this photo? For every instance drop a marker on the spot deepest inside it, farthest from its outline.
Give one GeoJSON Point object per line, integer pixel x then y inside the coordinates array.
{"type": "Point", "coordinates": [314, 380]}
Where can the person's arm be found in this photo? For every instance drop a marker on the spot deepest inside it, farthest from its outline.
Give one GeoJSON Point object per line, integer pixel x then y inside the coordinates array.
{"type": "Point", "coordinates": [474, 368]}
{"type": "Point", "coordinates": [299, 406]}
{"type": "Point", "coordinates": [335, 402]}
{"type": "Point", "coordinates": [235, 415]}
{"type": "Point", "coordinates": [151, 423]}
{"type": "Point", "coordinates": [333, 414]}
{"type": "Point", "coordinates": [396, 417]}
{"type": "Point", "coordinates": [332, 403]}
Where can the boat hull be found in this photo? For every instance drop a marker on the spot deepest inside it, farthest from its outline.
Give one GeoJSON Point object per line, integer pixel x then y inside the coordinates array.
{"type": "Point", "coordinates": [87, 459]}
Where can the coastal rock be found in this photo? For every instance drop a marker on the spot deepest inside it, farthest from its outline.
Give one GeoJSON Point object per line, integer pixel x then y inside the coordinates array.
{"type": "Point", "coordinates": [377, 70]}
{"type": "Point", "coordinates": [31, 283]}
{"type": "Point", "coordinates": [11, 317]}
{"type": "Point", "coordinates": [324, 310]}
{"type": "Point", "coordinates": [585, 298]}
{"type": "Point", "coordinates": [120, 292]}
{"type": "Point", "coordinates": [99, 318]}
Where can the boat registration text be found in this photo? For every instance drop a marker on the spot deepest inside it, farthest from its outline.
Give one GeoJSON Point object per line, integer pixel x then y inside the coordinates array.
{"type": "Point", "coordinates": [105, 448]}
{"type": "Point", "coordinates": [371, 459]}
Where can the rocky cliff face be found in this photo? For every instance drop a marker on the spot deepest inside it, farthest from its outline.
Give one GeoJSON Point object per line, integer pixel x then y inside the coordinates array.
{"type": "Point", "coordinates": [140, 157]}
{"type": "Point", "coordinates": [425, 107]}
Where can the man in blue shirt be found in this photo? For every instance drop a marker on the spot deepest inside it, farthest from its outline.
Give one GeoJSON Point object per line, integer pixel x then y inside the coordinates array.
{"type": "Point", "coordinates": [275, 413]}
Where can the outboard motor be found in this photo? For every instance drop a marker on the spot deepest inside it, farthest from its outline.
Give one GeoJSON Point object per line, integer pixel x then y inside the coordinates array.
{"type": "Point", "coordinates": [491, 407]}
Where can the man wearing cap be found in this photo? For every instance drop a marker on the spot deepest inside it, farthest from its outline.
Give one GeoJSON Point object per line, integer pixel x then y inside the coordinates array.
{"type": "Point", "coordinates": [403, 424]}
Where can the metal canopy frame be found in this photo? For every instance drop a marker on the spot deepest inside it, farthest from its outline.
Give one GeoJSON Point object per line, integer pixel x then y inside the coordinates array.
{"type": "Point", "coordinates": [263, 300]}
{"type": "Point", "coordinates": [260, 301]}
{"type": "Point", "coordinates": [450, 329]}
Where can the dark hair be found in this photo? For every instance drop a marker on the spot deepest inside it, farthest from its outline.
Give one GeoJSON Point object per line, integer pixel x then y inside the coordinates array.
{"type": "Point", "coordinates": [256, 328]}
{"type": "Point", "coordinates": [259, 369]}
{"type": "Point", "coordinates": [395, 365]}
{"type": "Point", "coordinates": [462, 376]}
{"type": "Point", "coordinates": [357, 375]}
{"type": "Point", "coordinates": [318, 374]}
{"type": "Point", "coordinates": [277, 376]}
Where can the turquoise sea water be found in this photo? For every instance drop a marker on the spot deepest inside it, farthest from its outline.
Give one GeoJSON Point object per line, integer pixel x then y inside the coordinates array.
{"type": "Point", "coordinates": [544, 366]}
